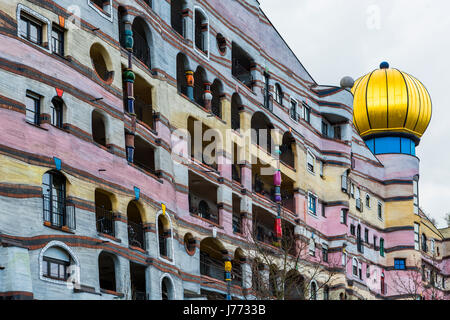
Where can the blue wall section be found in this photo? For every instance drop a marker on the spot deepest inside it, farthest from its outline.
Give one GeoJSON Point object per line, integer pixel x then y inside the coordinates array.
{"type": "Point", "coordinates": [391, 145]}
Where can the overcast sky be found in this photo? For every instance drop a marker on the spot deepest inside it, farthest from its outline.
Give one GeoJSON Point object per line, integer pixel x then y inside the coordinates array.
{"type": "Point", "coordinates": [335, 38]}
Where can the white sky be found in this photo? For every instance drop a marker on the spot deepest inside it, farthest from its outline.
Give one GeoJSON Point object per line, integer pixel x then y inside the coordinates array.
{"type": "Point", "coordinates": [335, 38]}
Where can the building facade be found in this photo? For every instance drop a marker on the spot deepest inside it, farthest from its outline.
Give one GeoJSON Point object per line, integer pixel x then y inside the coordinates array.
{"type": "Point", "coordinates": [107, 191]}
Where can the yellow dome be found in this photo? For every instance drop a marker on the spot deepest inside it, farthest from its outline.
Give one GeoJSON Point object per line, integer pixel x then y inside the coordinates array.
{"type": "Point", "coordinates": [388, 100]}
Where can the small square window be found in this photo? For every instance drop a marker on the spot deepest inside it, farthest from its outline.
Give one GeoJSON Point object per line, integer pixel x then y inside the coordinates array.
{"type": "Point", "coordinates": [399, 264]}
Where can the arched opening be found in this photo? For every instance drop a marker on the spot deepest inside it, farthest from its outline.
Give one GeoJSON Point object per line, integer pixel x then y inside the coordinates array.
{"type": "Point", "coordinates": [236, 106]}
{"type": "Point", "coordinates": [177, 16]}
{"type": "Point", "coordinates": [203, 198]}
{"type": "Point", "coordinates": [182, 64]}
{"type": "Point", "coordinates": [57, 112]}
{"type": "Point", "coordinates": [107, 271]}
{"type": "Point", "coordinates": [135, 227]}
{"type": "Point", "coordinates": [201, 30]}
{"type": "Point", "coordinates": [294, 287]}
{"type": "Point", "coordinates": [167, 289]}
{"type": "Point", "coordinates": [56, 264]}
{"type": "Point", "coordinates": [138, 281]}
{"type": "Point", "coordinates": [142, 40]}
{"type": "Point", "coordinates": [236, 273]}
{"type": "Point", "coordinates": [199, 85]}
{"type": "Point", "coordinates": [143, 104]}
{"type": "Point", "coordinates": [164, 237]}
{"type": "Point", "coordinates": [211, 258]}
{"type": "Point", "coordinates": [57, 212]}
{"type": "Point", "coordinates": [287, 150]}
{"type": "Point", "coordinates": [217, 92]}
{"type": "Point", "coordinates": [144, 155]}
{"type": "Point", "coordinates": [104, 215]}
{"type": "Point", "coordinates": [221, 43]}
{"type": "Point", "coordinates": [203, 142]}
{"type": "Point", "coordinates": [98, 128]}
{"type": "Point", "coordinates": [101, 62]}
{"type": "Point", "coordinates": [261, 131]}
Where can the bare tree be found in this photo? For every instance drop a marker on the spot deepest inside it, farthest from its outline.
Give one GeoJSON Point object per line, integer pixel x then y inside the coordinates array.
{"type": "Point", "coordinates": [287, 268]}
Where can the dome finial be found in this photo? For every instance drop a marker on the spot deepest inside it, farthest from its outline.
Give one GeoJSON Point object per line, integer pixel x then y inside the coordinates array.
{"type": "Point", "coordinates": [384, 65]}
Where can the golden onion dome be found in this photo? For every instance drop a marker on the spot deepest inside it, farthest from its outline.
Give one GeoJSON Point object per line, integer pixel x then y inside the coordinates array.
{"type": "Point", "coordinates": [390, 101]}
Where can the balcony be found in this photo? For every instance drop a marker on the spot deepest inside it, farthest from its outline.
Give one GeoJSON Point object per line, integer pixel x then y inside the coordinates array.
{"type": "Point", "coordinates": [58, 212]}
{"type": "Point", "coordinates": [105, 221]}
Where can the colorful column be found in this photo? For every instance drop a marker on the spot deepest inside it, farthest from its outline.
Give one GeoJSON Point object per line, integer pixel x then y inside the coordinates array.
{"type": "Point", "coordinates": [190, 84]}
{"type": "Point", "coordinates": [207, 96]}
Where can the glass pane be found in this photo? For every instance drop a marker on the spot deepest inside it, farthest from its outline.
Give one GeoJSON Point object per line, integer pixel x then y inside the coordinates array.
{"type": "Point", "coordinates": [54, 269]}
{"type": "Point", "coordinates": [23, 27]}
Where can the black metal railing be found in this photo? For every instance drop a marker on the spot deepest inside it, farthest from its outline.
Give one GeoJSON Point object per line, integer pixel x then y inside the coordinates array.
{"type": "Point", "coordinates": [59, 212]}
{"type": "Point", "coordinates": [136, 235]}
{"type": "Point", "coordinates": [211, 267]}
{"type": "Point", "coordinates": [105, 221]}
{"type": "Point", "coordinates": [141, 49]}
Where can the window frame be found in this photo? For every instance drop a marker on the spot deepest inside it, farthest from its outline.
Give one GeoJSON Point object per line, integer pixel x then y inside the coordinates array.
{"type": "Point", "coordinates": [108, 15]}
{"type": "Point", "coordinates": [399, 264]}
{"type": "Point", "coordinates": [37, 100]}
{"type": "Point", "coordinates": [310, 210]}
{"type": "Point", "coordinates": [310, 155]}
{"type": "Point", "coordinates": [38, 18]}
{"type": "Point", "coordinates": [62, 41]}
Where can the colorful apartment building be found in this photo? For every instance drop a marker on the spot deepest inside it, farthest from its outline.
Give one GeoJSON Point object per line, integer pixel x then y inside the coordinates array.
{"type": "Point", "coordinates": [109, 187]}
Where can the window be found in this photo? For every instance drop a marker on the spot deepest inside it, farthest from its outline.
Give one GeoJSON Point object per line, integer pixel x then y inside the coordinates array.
{"type": "Point", "coordinates": [375, 243]}
{"type": "Point", "coordinates": [323, 209]}
{"type": "Point", "coordinates": [367, 200]}
{"type": "Point", "coordinates": [344, 259]}
{"type": "Point", "coordinates": [310, 159]}
{"type": "Point", "coordinates": [432, 245]}
{"type": "Point", "coordinates": [58, 40]}
{"type": "Point", "coordinates": [399, 264]}
{"type": "Point", "coordinates": [278, 94]}
{"type": "Point", "coordinates": [380, 211]}
{"type": "Point", "coordinates": [267, 94]}
{"type": "Point", "coordinates": [367, 271]}
{"type": "Point", "coordinates": [57, 114]}
{"type": "Point", "coordinates": [326, 293]}
{"type": "Point", "coordinates": [177, 16]}
{"type": "Point", "coordinates": [30, 29]}
{"type": "Point", "coordinates": [343, 216]}
{"type": "Point", "coordinates": [366, 235]}
{"type": "Point", "coordinates": [201, 31]}
{"type": "Point", "coordinates": [56, 212]}
{"type": "Point", "coordinates": [359, 204]}
{"type": "Point", "coordinates": [33, 107]}
{"type": "Point", "coordinates": [293, 110]}
{"type": "Point", "coordinates": [382, 247]}
{"type": "Point", "coordinates": [352, 190]}
{"type": "Point", "coordinates": [312, 203]}
{"type": "Point", "coordinates": [352, 229]}
{"type": "Point", "coordinates": [337, 132]}
{"type": "Point", "coordinates": [344, 185]}
{"type": "Point", "coordinates": [103, 7]}
{"type": "Point", "coordinates": [307, 113]}
{"type": "Point", "coordinates": [324, 252]}
{"type": "Point", "coordinates": [324, 129]}
{"type": "Point", "coordinates": [416, 195]}
{"type": "Point", "coordinates": [355, 267]}
{"type": "Point", "coordinates": [424, 243]}
{"type": "Point", "coordinates": [55, 269]}
{"type": "Point", "coordinates": [313, 290]}
{"type": "Point", "coordinates": [416, 236]}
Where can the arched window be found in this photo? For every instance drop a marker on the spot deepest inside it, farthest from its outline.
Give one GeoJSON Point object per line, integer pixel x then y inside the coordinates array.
{"type": "Point", "coordinates": [261, 131]}
{"type": "Point", "coordinates": [313, 290]}
{"type": "Point", "coordinates": [165, 237]}
{"type": "Point", "coordinates": [167, 290]}
{"type": "Point", "coordinates": [55, 263]}
{"type": "Point", "coordinates": [287, 153]}
{"type": "Point", "coordinates": [199, 85]}
{"type": "Point", "coordinates": [278, 94]}
{"type": "Point", "coordinates": [142, 40]}
{"type": "Point", "coordinates": [201, 31]}
{"type": "Point", "coordinates": [102, 63]}
{"type": "Point", "coordinates": [56, 211]}
{"type": "Point", "coordinates": [424, 243]}
{"type": "Point", "coordinates": [58, 112]}
{"type": "Point", "coordinates": [367, 200]}
{"type": "Point", "coordinates": [104, 215]}
{"type": "Point", "coordinates": [98, 128]}
{"type": "Point", "coordinates": [211, 258]}
{"type": "Point", "coordinates": [136, 236]}
{"type": "Point", "coordinates": [107, 271]}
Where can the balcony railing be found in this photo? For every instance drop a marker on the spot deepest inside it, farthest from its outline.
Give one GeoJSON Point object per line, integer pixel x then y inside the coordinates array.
{"type": "Point", "coordinates": [105, 221]}
{"type": "Point", "coordinates": [141, 49]}
{"type": "Point", "coordinates": [211, 267]}
{"type": "Point", "coordinates": [59, 212]}
{"type": "Point", "coordinates": [136, 235]}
